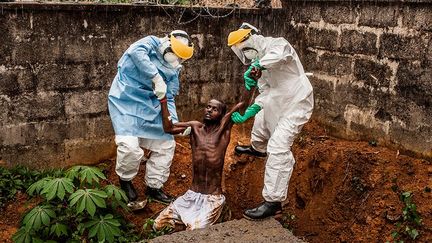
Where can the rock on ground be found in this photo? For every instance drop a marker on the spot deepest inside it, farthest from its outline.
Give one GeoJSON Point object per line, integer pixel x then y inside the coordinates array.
{"type": "Point", "coordinates": [235, 231]}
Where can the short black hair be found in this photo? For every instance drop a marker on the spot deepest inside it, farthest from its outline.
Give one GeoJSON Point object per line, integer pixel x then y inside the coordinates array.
{"type": "Point", "coordinates": [222, 107]}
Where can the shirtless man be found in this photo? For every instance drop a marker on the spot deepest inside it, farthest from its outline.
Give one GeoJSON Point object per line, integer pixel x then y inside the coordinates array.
{"type": "Point", "coordinates": [202, 204]}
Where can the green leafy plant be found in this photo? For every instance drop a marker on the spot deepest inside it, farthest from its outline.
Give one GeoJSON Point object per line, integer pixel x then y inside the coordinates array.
{"type": "Point", "coordinates": [406, 227]}
{"type": "Point", "coordinates": [88, 199]}
{"type": "Point", "coordinates": [117, 196]}
{"type": "Point", "coordinates": [105, 228]}
{"type": "Point", "coordinates": [76, 208]}
{"type": "Point", "coordinates": [17, 179]}
{"type": "Point", "coordinates": [287, 221]}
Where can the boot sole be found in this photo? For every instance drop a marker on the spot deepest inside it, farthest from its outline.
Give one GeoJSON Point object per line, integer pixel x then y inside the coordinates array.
{"type": "Point", "coordinates": [277, 215]}
{"type": "Point", "coordinates": [137, 205]}
{"type": "Point", "coordinates": [253, 155]}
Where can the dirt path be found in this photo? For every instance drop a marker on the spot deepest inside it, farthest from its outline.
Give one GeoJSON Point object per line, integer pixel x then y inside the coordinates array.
{"type": "Point", "coordinates": [340, 190]}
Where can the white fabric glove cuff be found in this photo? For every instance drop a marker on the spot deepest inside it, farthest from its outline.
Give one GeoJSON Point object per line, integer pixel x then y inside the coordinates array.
{"type": "Point", "coordinates": [160, 88]}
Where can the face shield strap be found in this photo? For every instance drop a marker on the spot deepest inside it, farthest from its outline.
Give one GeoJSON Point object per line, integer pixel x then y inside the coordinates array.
{"type": "Point", "coordinates": [248, 27]}
{"type": "Point", "coordinates": [249, 49]}
{"type": "Point", "coordinates": [250, 53]}
{"type": "Point", "coordinates": [168, 49]}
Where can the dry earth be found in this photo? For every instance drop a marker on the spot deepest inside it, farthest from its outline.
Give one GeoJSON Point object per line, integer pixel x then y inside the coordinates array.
{"type": "Point", "coordinates": [340, 191]}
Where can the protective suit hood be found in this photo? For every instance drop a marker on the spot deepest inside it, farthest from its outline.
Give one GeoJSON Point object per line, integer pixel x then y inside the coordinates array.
{"type": "Point", "coordinates": [175, 48]}
{"type": "Point", "coordinates": [169, 59]}
{"type": "Point", "coordinates": [250, 49]}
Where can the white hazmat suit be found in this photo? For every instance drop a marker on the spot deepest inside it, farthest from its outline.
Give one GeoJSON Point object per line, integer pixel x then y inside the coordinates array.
{"type": "Point", "coordinates": [148, 72]}
{"type": "Point", "coordinates": [286, 101]}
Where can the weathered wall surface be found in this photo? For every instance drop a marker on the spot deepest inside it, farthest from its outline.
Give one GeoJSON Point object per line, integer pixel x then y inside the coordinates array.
{"type": "Point", "coordinates": [371, 63]}
{"type": "Point", "coordinates": [57, 63]}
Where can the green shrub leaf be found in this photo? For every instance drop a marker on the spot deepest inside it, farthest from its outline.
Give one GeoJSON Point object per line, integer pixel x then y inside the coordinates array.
{"type": "Point", "coordinates": [38, 186]}
{"type": "Point", "coordinates": [90, 206]}
{"type": "Point", "coordinates": [23, 235]}
{"type": "Point", "coordinates": [72, 173]}
{"type": "Point", "coordinates": [37, 240]}
{"type": "Point", "coordinates": [57, 188]}
{"type": "Point", "coordinates": [106, 228]}
{"type": "Point", "coordinates": [88, 199]}
{"type": "Point", "coordinates": [413, 234]}
{"type": "Point", "coordinates": [90, 174]}
{"type": "Point", "coordinates": [59, 229]}
{"type": "Point", "coordinates": [38, 216]}
{"type": "Point", "coordinates": [118, 193]}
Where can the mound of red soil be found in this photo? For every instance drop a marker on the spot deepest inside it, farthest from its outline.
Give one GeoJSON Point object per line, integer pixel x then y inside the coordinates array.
{"type": "Point", "coordinates": [340, 191]}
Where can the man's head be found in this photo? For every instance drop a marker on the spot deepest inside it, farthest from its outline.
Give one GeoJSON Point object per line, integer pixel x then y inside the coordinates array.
{"type": "Point", "coordinates": [176, 47]}
{"type": "Point", "coordinates": [244, 42]}
{"type": "Point", "coordinates": [214, 111]}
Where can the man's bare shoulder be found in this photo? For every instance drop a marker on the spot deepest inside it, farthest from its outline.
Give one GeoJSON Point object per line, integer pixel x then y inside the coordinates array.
{"type": "Point", "coordinates": [196, 124]}
{"type": "Point", "coordinates": [188, 124]}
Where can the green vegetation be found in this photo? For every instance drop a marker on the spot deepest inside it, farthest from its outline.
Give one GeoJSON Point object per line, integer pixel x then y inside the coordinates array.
{"type": "Point", "coordinates": [406, 227]}
{"type": "Point", "coordinates": [76, 208]}
{"type": "Point", "coordinates": [287, 221]}
{"type": "Point", "coordinates": [19, 179]}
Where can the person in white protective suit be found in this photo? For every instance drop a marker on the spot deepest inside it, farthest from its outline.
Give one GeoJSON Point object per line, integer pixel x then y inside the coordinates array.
{"type": "Point", "coordinates": [284, 105]}
{"type": "Point", "coordinates": [147, 72]}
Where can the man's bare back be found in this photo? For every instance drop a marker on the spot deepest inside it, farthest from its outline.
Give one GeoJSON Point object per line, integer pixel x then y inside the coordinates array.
{"type": "Point", "coordinates": [209, 140]}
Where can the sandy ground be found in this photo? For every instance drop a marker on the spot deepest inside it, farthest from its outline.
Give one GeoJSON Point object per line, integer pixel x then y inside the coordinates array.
{"type": "Point", "coordinates": [340, 191]}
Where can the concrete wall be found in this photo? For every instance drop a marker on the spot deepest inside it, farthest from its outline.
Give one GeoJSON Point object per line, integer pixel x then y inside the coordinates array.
{"type": "Point", "coordinates": [371, 62]}
{"type": "Point", "coordinates": [57, 63]}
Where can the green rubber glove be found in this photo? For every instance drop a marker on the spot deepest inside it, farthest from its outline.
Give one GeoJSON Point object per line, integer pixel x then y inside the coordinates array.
{"type": "Point", "coordinates": [249, 81]}
{"type": "Point", "coordinates": [250, 112]}
{"type": "Point", "coordinates": [257, 64]}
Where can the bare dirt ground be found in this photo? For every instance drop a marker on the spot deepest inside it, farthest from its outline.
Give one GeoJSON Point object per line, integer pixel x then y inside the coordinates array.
{"type": "Point", "coordinates": [242, 230]}
{"type": "Point", "coordinates": [340, 191]}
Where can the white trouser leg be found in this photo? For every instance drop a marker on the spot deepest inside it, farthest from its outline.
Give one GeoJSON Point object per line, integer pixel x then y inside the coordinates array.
{"type": "Point", "coordinates": [280, 161]}
{"type": "Point", "coordinates": [260, 134]}
{"type": "Point", "coordinates": [278, 170]}
{"type": "Point", "coordinates": [129, 155]}
{"type": "Point", "coordinates": [158, 165]}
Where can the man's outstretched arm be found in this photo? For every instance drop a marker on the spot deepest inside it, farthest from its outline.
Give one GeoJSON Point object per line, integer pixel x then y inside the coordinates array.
{"type": "Point", "coordinates": [226, 120]}
{"type": "Point", "coordinates": [168, 126]}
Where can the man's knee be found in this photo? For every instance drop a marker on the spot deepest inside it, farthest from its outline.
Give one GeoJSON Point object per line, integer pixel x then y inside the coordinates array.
{"type": "Point", "coordinates": [164, 147]}
{"type": "Point", "coordinates": [128, 147]}
{"type": "Point", "coordinates": [283, 138]}
{"type": "Point", "coordinates": [280, 161]}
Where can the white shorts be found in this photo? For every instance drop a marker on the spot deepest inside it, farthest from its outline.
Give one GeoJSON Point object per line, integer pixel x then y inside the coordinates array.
{"type": "Point", "coordinates": [193, 209]}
